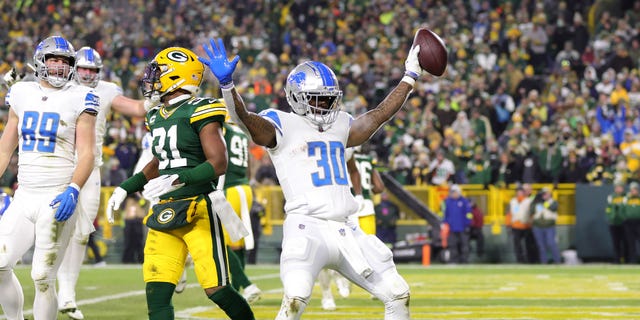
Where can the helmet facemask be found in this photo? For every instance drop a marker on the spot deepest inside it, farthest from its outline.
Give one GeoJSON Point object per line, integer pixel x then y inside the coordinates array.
{"type": "Point", "coordinates": [88, 58]}
{"type": "Point", "coordinates": [150, 83]}
{"type": "Point", "coordinates": [319, 107]}
{"type": "Point", "coordinates": [172, 69]}
{"type": "Point", "coordinates": [56, 76]}
{"type": "Point", "coordinates": [312, 91]}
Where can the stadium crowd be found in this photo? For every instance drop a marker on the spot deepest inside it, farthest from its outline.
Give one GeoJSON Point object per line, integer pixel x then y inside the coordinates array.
{"type": "Point", "coordinates": [535, 91]}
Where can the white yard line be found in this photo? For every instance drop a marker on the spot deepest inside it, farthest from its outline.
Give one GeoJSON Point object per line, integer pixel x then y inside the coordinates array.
{"type": "Point", "coordinates": [142, 292]}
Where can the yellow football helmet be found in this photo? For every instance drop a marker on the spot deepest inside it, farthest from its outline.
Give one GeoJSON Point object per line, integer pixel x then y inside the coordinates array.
{"type": "Point", "coordinates": [172, 69]}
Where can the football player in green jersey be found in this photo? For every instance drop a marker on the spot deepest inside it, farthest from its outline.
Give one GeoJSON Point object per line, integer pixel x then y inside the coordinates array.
{"type": "Point", "coordinates": [235, 183]}
{"type": "Point", "coordinates": [371, 184]}
{"type": "Point", "coordinates": [189, 156]}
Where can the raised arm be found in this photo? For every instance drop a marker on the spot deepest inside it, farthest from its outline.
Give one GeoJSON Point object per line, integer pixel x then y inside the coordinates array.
{"type": "Point", "coordinates": [261, 130]}
{"type": "Point", "coordinates": [367, 124]}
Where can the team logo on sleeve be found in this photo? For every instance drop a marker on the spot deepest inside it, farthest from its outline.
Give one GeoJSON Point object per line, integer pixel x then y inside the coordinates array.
{"type": "Point", "coordinates": [166, 216]}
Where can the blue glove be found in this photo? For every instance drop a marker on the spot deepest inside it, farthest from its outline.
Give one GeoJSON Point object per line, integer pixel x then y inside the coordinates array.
{"type": "Point", "coordinates": [221, 67]}
{"type": "Point", "coordinates": [67, 202]}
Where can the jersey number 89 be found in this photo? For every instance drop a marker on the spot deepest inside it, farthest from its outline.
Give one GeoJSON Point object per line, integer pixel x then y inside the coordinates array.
{"type": "Point", "coordinates": [39, 133]}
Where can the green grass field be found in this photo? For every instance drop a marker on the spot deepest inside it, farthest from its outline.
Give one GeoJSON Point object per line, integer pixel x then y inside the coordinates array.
{"type": "Point", "coordinates": [437, 292]}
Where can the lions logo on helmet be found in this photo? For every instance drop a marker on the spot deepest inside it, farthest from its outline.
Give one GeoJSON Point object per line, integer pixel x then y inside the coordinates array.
{"type": "Point", "coordinates": [58, 47]}
{"type": "Point", "coordinates": [313, 92]}
{"type": "Point", "coordinates": [172, 69]}
{"type": "Point", "coordinates": [88, 58]}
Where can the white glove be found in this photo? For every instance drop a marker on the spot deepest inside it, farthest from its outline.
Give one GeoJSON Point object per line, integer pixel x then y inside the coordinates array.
{"type": "Point", "coordinates": [230, 220]}
{"type": "Point", "coordinates": [116, 199]}
{"type": "Point", "coordinates": [412, 66]}
{"type": "Point", "coordinates": [151, 103]}
{"type": "Point", "coordinates": [159, 186]}
{"type": "Point", "coordinates": [12, 77]}
{"type": "Point", "coordinates": [360, 201]}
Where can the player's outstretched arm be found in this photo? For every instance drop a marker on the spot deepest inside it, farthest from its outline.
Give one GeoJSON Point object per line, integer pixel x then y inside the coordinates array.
{"type": "Point", "coordinates": [261, 130]}
{"type": "Point", "coordinates": [367, 124]}
{"type": "Point", "coordinates": [129, 107]}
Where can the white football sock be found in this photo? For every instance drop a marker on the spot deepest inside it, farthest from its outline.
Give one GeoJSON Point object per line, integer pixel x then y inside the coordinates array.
{"type": "Point", "coordinates": [69, 271]}
{"type": "Point", "coordinates": [45, 304]}
{"type": "Point", "coordinates": [11, 295]}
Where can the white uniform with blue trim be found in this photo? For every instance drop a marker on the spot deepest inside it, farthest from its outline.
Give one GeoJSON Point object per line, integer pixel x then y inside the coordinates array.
{"type": "Point", "coordinates": [47, 161]}
{"type": "Point", "coordinates": [46, 129]}
{"type": "Point", "coordinates": [89, 201]}
{"type": "Point", "coordinates": [312, 171]}
{"type": "Point", "coordinates": [311, 166]}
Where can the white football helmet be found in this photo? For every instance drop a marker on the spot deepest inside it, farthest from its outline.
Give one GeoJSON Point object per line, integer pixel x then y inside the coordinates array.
{"type": "Point", "coordinates": [89, 58]}
{"type": "Point", "coordinates": [59, 47]}
{"type": "Point", "coordinates": [313, 92]}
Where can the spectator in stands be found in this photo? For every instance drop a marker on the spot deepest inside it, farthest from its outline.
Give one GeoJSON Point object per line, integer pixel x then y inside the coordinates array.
{"type": "Point", "coordinates": [441, 168]}
{"type": "Point", "coordinates": [632, 221]}
{"type": "Point", "coordinates": [545, 214]}
{"type": "Point", "coordinates": [478, 169]}
{"type": "Point", "coordinates": [387, 216]}
{"type": "Point", "coordinates": [615, 217]}
{"type": "Point", "coordinates": [572, 171]}
{"type": "Point", "coordinates": [520, 223]}
{"type": "Point", "coordinates": [549, 160]}
{"type": "Point", "coordinates": [456, 211]}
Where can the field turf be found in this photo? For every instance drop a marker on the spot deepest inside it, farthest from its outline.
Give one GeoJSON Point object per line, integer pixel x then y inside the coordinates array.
{"type": "Point", "coordinates": [437, 292]}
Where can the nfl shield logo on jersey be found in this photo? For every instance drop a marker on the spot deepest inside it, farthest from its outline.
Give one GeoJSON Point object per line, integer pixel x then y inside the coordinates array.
{"type": "Point", "coordinates": [342, 232]}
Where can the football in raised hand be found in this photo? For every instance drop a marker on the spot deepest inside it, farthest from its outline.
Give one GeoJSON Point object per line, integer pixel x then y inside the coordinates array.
{"type": "Point", "coordinates": [433, 53]}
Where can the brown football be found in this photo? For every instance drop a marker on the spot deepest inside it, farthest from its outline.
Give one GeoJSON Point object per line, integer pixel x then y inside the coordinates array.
{"type": "Point", "coordinates": [433, 53]}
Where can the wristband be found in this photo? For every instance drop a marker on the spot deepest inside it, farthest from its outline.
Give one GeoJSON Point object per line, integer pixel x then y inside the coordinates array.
{"type": "Point", "coordinates": [135, 183]}
{"type": "Point", "coordinates": [411, 81]}
{"type": "Point", "coordinates": [227, 86]}
{"type": "Point", "coordinates": [75, 186]}
{"type": "Point", "coordinates": [202, 173]}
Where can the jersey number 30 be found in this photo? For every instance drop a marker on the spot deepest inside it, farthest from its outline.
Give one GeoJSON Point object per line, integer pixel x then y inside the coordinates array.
{"type": "Point", "coordinates": [331, 162]}
{"type": "Point", "coordinates": [39, 133]}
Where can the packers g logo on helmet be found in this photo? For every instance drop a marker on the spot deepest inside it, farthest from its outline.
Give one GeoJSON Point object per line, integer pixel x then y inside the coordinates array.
{"type": "Point", "coordinates": [172, 69]}
{"type": "Point", "coordinates": [177, 56]}
{"type": "Point", "coordinates": [166, 216]}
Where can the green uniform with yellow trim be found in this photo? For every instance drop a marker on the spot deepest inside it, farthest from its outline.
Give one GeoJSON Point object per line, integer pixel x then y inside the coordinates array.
{"type": "Point", "coordinates": [367, 216]}
{"type": "Point", "coordinates": [236, 179]}
{"type": "Point", "coordinates": [187, 223]}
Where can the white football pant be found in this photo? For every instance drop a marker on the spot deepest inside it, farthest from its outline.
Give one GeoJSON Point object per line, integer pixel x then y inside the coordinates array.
{"type": "Point", "coordinates": [88, 204]}
{"type": "Point", "coordinates": [28, 221]}
{"type": "Point", "coordinates": [311, 244]}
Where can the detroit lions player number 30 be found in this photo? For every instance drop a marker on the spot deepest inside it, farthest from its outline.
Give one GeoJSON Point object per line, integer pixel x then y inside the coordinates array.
{"type": "Point", "coordinates": [307, 147]}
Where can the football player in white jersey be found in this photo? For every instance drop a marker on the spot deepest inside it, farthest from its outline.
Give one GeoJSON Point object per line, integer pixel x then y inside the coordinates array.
{"type": "Point", "coordinates": [87, 69]}
{"type": "Point", "coordinates": [307, 147]}
{"type": "Point", "coordinates": [52, 122]}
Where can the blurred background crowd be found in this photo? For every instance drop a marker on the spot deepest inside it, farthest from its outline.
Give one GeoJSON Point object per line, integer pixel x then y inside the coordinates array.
{"type": "Point", "coordinates": [535, 90]}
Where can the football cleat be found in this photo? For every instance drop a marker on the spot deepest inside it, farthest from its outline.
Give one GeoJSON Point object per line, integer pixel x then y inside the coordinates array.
{"type": "Point", "coordinates": [344, 286]}
{"type": "Point", "coordinates": [70, 309]}
{"type": "Point", "coordinates": [252, 293]}
{"type": "Point", "coordinates": [328, 304]}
